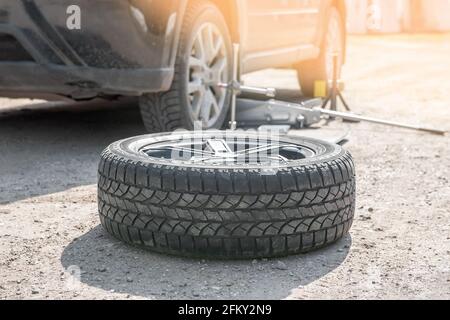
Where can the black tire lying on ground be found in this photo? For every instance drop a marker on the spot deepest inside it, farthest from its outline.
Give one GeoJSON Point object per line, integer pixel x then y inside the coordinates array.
{"type": "Point", "coordinates": [226, 210]}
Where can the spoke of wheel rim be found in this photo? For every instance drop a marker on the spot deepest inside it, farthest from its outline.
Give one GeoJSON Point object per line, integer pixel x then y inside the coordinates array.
{"type": "Point", "coordinates": [196, 111]}
{"type": "Point", "coordinates": [215, 105]}
{"type": "Point", "coordinates": [252, 149]}
{"type": "Point", "coordinates": [194, 86]}
{"type": "Point", "coordinates": [206, 105]}
{"type": "Point", "coordinates": [264, 148]}
{"type": "Point", "coordinates": [279, 158]}
{"type": "Point", "coordinates": [217, 47]}
{"type": "Point", "coordinates": [276, 158]}
{"type": "Point", "coordinates": [195, 62]}
{"type": "Point", "coordinates": [192, 151]}
{"type": "Point", "coordinates": [199, 46]}
{"type": "Point", "coordinates": [219, 67]}
{"type": "Point", "coordinates": [181, 149]}
{"type": "Point", "coordinates": [196, 105]}
{"type": "Point", "coordinates": [196, 160]}
{"type": "Point", "coordinates": [208, 44]}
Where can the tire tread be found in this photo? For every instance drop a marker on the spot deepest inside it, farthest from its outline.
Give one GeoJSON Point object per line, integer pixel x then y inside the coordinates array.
{"type": "Point", "coordinates": [198, 212]}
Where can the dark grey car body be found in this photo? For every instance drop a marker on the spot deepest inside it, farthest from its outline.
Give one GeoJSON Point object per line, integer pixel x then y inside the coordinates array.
{"type": "Point", "coordinates": [128, 47]}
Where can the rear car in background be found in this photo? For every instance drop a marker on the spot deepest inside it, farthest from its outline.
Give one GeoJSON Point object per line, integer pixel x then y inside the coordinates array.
{"type": "Point", "coordinates": [169, 53]}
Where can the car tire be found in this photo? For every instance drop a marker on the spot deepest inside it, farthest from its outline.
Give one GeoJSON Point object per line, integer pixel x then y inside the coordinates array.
{"type": "Point", "coordinates": [225, 211]}
{"type": "Point", "coordinates": [174, 109]}
{"type": "Point", "coordinates": [321, 69]}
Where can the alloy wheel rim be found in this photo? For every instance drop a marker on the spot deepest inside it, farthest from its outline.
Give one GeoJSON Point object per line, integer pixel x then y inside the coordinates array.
{"type": "Point", "coordinates": [219, 150]}
{"type": "Point", "coordinates": [208, 65]}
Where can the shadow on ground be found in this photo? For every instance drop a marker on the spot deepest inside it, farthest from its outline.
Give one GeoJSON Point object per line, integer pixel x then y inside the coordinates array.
{"type": "Point", "coordinates": [108, 264]}
{"type": "Point", "coordinates": [52, 147]}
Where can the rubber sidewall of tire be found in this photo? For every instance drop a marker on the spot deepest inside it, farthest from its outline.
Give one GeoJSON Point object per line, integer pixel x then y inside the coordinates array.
{"type": "Point", "coordinates": [226, 213]}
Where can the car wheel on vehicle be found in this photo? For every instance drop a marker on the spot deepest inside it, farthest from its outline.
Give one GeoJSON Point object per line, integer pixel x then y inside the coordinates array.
{"type": "Point", "coordinates": [321, 69]}
{"type": "Point", "coordinates": [203, 60]}
{"type": "Point", "coordinates": [223, 194]}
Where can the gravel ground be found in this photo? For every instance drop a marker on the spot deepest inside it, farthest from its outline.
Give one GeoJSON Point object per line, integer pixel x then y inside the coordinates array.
{"type": "Point", "coordinates": [52, 247]}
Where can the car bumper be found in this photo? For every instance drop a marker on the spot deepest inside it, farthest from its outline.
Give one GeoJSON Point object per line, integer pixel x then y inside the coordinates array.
{"type": "Point", "coordinates": [123, 47]}
{"type": "Point", "coordinates": [81, 82]}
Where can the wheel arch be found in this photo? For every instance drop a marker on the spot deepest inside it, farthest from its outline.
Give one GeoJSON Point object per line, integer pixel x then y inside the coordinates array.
{"type": "Point", "coordinates": [232, 13]}
{"type": "Point", "coordinates": [321, 32]}
{"type": "Point", "coordinates": [340, 5]}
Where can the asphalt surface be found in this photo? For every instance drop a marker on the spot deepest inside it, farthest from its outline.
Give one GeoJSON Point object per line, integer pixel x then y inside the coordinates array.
{"type": "Point", "coordinates": [52, 247]}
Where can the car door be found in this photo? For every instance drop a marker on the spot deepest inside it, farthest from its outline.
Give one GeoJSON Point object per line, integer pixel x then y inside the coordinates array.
{"type": "Point", "coordinates": [278, 28]}
{"type": "Point", "coordinates": [280, 23]}
{"type": "Point", "coordinates": [310, 19]}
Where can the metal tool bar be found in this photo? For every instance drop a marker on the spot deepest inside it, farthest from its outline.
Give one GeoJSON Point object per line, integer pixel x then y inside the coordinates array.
{"type": "Point", "coordinates": [238, 88]}
{"type": "Point", "coordinates": [351, 117]}
{"type": "Point", "coordinates": [233, 124]}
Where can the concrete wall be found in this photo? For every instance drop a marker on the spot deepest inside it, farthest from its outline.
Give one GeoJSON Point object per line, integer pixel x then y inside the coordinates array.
{"type": "Point", "coordinates": [393, 16]}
